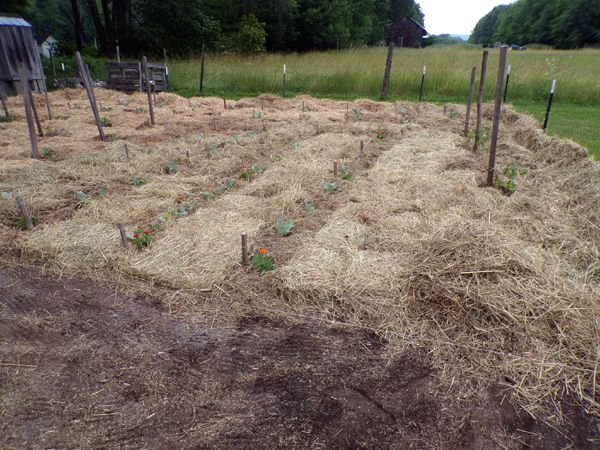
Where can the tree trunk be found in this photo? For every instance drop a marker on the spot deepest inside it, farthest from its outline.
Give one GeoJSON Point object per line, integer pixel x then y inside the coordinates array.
{"type": "Point", "coordinates": [100, 29]}
{"type": "Point", "coordinates": [78, 29]}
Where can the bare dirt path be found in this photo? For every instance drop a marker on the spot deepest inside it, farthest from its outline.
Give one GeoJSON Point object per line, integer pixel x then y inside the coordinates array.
{"type": "Point", "coordinates": [85, 366]}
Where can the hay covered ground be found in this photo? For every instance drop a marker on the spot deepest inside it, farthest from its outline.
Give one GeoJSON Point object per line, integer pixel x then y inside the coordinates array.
{"type": "Point", "coordinates": [497, 288]}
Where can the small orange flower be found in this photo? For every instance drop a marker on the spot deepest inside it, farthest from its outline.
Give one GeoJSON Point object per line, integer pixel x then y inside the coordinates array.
{"type": "Point", "coordinates": [146, 231]}
{"type": "Point", "coordinates": [262, 251]}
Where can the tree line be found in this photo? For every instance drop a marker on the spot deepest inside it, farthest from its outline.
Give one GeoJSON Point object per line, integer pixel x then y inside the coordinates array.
{"type": "Point", "coordinates": [183, 26]}
{"type": "Point", "coordinates": [558, 23]}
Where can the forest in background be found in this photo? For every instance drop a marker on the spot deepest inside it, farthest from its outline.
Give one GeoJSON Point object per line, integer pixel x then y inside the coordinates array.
{"type": "Point", "coordinates": [182, 27]}
{"type": "Point", "coordinates": [557, 23]}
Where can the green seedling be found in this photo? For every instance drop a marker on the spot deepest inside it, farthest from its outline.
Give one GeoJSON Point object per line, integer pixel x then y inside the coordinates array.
{"type": "Point", "coordinates": [47, 153]}
{"type": "Point", "coordinates": [330, 187]}
{"type": "Point", "coordinates": [250, 173]}
{"type": "Point", "coordinates": [137, 182]}
{"type": "Point", "coordinates": [105, 121]}
{"type": "Point", "coordinates": [347, 171]}
{"type": "Point", "coordinates": [507, 182]}
{"type": "Point", "coordinates": [170, 167]}
{"type": "Point", "coordinates": [284, 227]}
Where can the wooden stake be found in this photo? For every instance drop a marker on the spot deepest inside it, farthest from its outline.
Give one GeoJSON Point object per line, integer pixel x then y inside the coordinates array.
{"type": "Point", "coordinates": [24, 212]}
{"type": "Point", "coordinates": [480, 99]}
{"type": "Point", "coordinates": [245, 260]}
{"type": "Point", "coordinates": [3, 99]}
{"type": "Point", "coordinates": [422, 82]}
{"type": "Point", "coordinates": [470, 99]}
{"type": "Point", "coordinates": [388, 70]}
{"type": "Point", "coordinates": [35, 113]}
{"type": "Point", "coordinates": [28, 113]}
{"type": "Point", "coordinates": [497, 115]}
{"type": "Point", "coordinates": [224, 104]}
{"type": "Point", "coordinates": [127, 152]}
{"type": "Point", "coordinates": [362, 146]}
{"type": "Point", "coordinates": [202, 56]}
{"type": "Point", "coordinates": [124, 240]}
{"type": "Point", "coordinates": [87, 82]}
{"type": "Point", "coordinates": [335, 169]}
{"type": "Point", "coordinates": [45, 87]}
{"type": "Point", "coordinates": [148, 84]}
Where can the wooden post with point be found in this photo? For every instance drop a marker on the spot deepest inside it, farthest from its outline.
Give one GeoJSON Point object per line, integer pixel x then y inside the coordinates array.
{"type": "Point", "coordinates": [480, 99]}
{"type": "Point", "coordinates": [148, 88]}
{"type": "Point", "coordinates": [245, 260]}
{"type": "Point", "coordinates": [497, 115]}
{"type": "Point", "coordinates": [470, 99]}
{"type": "Point", "coordinates": [24, 211]}
{"type": "Point", "coordinates": [87, 82]}
{"type": "Point", "coordinates": [335, 169]}
{"type": "Point", "coordinates": [202, 56]}
{"type": "Point", "coordinates": [29, 113]}
{"type": "Point", "coordinates": [388, 70]}
{"type": "Point", "coordinates": [124, 240]}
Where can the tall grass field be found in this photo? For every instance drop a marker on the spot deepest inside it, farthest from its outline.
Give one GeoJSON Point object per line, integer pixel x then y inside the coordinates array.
{"type": "Point", "coordinates": [358, 73]}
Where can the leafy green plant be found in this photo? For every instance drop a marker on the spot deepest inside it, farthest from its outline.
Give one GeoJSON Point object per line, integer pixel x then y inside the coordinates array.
{"type": "Point", "coordinates": [381, 134]}
{"type": "Point", "coordinates": [207, 195]}
{"type": "Point", "coordinates": [141, 238]}
{"type": "Point", "coordinates": [507, 182]}
{"type": "Point", "coordinates": [22, 225]}
{"type": "Point", "coordinates": [184, 210]}
{"type": "Point", "coordinates": [227, 186]}
{"type": "Point", "coordinates": [309, 206]}
{"type": "Point", "coordinates": [358, 113]}
{"type": "Point", "coordinates": [258, 114]}
{"type": "Point", "coordinates": [211, 149]}
{"type": "Point", "coordinates": [284, 227]}
{"type": "Point", "coordinates": [261, 262]}
{"type": "Point", "coordinates": [5, 119]}
{"type": "Point", "coordinates": [347, 171]}
{"type": "Point", "coordinates": [330, 187]}
{"type": "Point", "coordinates": [81, 197]}
{"type": "Point", "coordinates": [137, 182]}
{"type": "Point", "coordinates": [102, 192]}
{"type": "Point", "coordinates": [250, 173]}
{"type": "Point", "coordinates": [139, 110]}
{"type": "Point", "coordinates": [48, 153]}
{"type": "Point", "coordinates": [170, 167]}
{"type": "Point", "coordinates": [105, 121]}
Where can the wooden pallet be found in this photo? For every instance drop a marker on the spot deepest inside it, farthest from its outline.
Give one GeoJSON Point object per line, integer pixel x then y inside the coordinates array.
{"type": "Point", "coordinates": [129, 76]}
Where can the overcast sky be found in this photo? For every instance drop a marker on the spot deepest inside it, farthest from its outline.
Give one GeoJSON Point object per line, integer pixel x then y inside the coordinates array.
{"type": "Point", "coordinates": [455, 16]}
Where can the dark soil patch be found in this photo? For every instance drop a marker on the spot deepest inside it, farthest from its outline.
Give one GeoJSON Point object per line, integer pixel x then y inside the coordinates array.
{"type": "Point", "coordinates": [87, 366]}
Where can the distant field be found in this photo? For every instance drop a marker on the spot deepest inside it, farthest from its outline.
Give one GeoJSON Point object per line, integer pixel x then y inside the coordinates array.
{"type": "Point", "coordinates": [351, 74]}
{"type": "Point", "coordinates": [358, 73]}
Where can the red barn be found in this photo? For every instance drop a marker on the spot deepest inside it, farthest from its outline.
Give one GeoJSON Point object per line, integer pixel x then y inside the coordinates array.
{"type": "Point", "coordinates": [406, 32]}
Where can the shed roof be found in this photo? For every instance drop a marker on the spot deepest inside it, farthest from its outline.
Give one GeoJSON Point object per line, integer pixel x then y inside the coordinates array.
{"type": "Point", "coordinates": [8, 21]}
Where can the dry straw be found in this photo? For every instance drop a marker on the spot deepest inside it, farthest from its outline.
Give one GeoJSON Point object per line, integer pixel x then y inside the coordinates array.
{"type": "Point", "coordinates": [502, 288]}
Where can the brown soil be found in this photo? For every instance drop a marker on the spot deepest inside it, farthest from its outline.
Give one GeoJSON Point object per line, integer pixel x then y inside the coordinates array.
{"type": "Point", "coordinates": [86, 366]}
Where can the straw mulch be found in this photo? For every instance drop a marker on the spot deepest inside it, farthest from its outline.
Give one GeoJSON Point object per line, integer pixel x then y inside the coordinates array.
{"type": "Point", "coordinates": [503, 288]}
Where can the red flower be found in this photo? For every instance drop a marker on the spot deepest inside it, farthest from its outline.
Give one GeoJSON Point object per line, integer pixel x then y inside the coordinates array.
{"type": "Point", "coordinates": [135, 236]}
{"type": "Point", "coordinates": [146, 231]}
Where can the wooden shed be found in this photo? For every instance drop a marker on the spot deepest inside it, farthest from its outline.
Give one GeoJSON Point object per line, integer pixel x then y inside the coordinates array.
{"type": "Point", "coordinates": [406, 32]}
{"type": "Point", "coordinates": [18, 47]}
